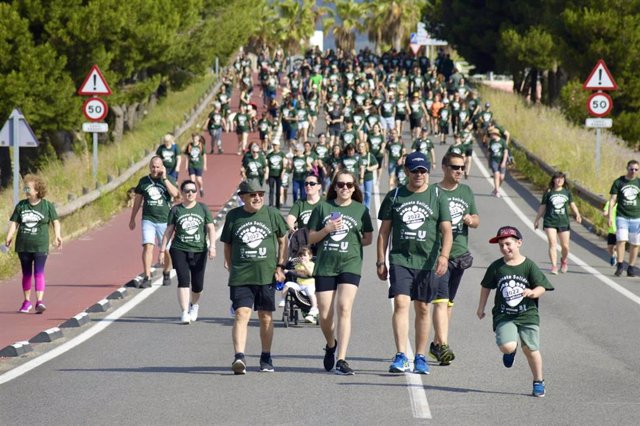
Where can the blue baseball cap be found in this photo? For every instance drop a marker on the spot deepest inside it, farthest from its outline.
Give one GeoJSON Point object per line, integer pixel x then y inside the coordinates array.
{"type": "Point", "coordinates": [416, 160]}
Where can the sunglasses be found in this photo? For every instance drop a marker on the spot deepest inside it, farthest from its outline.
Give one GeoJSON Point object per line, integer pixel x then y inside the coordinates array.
{"type": "Point", "coordinates": [349, 185]}
{"type": "Point", "coordinates": [419, 171]}
{"type": "Point", "coordinates": [189, 191]}
{"type": "Point", "coordinates": [256, 194]}
{"type": "Point", "coordinates": [310, 183]}
{"type": "Point", "coordinates": [26, 189]}
{"type": "Point", "coordinates": [456, 167]}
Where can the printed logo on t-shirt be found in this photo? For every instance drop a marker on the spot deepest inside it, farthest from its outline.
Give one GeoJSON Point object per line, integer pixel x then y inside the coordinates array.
{"type": "Point", "coordinates": [155, 195]}
{"type": "Point", "coordinates": [558, 201]}
{"type": "Point", "coordinates": [335, 243]}
{"type": "Point", "coordinates": [511, 287]}
{"type": "Point", "coordinates": [413, 215]}
{"type": "Point", "coordinates": [630, 195]}
{"type": "Point", "coordinates": [457, 207]}
{"type": "Point", "coordinates": [252, 233]}
{"type": "Point", "coordinates": [190, 223]}
{"type": "Point", "coordinates": [29, 220]}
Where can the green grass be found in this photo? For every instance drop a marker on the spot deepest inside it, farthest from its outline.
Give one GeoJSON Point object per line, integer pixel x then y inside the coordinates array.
{"type": "Point", "coordinates": [71, 176]}
{"type": "Point", "coordinates": [566, 147]}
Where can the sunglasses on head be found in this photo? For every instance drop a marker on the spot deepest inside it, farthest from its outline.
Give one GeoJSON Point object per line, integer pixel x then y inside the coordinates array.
{"type": "Point", "coordinates": [310, 183]}
{"type": "Point", "coordinates": [349, 185]}
{"type": "Point", "coordinates": [189, 191]}
{"type": "Point", "coordinates": [456, 167]}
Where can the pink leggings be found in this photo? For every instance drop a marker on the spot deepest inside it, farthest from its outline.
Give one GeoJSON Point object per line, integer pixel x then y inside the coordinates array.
{"type": "Point", "coordinates": [32, 266]}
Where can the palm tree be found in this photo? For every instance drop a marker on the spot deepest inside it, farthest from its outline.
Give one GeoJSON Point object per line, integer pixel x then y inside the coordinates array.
{"type": "Point", "coordinates": [296, 23]}
{"type": "Point", "coordinates": [345, 23]}
{"type": "Point", "coordinates": [391, 21]}
{"type": "Point", "coordinates": [265, 18]}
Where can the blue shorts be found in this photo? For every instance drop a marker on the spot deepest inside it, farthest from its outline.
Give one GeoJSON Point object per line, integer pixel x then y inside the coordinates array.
{"type": "Point", "coordinates": [495, 167]}
{"type": "Point", "coordinates": [196, 172]}
{"type": "Point", "coordinates": [152, 232]}
{"type": "Point", "coordinates": [628, 230]}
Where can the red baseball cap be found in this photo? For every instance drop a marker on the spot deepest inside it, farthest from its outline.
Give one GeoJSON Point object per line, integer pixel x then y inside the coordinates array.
{"type": "Point", "coordinates": [506, 232]}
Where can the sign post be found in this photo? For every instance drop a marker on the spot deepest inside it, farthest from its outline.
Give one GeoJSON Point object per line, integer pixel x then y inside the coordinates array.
{"type": "Point", "coordinates": [17, 133]}
{"type": "Point", "coordinates": [94, 108]}
{"type": "Point", "coordinates": [599, 103]}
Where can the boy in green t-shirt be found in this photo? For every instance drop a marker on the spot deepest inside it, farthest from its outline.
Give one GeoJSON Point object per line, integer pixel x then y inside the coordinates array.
{"type": "Point", "coordinates": [519, 283]}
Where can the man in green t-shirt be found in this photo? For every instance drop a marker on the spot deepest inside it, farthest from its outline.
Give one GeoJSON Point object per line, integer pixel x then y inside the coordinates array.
{"type": "Point", "coordinates": [276, 165]}
{"type": "Point", "coordinates": [519, 284]}
{"type": "Point", "coordinates": [464, 215]}
{"type": "Point", "coordinates": [498, 155]}
{"type": "Point", "coordinates": [154, 193]}
{"type": "Point", "coordinates": [255, 246]}
{"type": "Point", "coordinates": [417, 220]}
{"type": "Point", "coordinates": [624, 192]}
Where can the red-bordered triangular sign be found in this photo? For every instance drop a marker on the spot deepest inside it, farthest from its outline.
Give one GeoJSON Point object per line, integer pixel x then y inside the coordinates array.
{"type": "Point", "coordinates": [94, 84]}
{"type": "Point", "coordinates": [600, 78]}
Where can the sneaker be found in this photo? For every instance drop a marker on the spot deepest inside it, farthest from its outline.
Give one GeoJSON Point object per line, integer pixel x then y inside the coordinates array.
{"type": "Point", "coordinates": [26, 307]}
{"type": "Point", "coordinates": [238, 366]}
{"type": "Point", "coordinates": [193, 312]}
{"type": "Point", "coordinates": [330, 357]}
{"type": "Point", "coordinates": [508, 359]}
{"type": "Point", "coordinates": [612, 260]}
{"type": "Point", "coordinates": [166, 278]}
{"type": "Point", "coordinates": [146, 282]}
{"type": "Point", "coordinates": [553, 270]}
{"type": "Point", "coordinates": [281, 304]}
{"type": "Point", "coordinates": [310, 319]}
{"type": "Point", "coordinates": [186, 318]}
{"type": "Point", "coordinates": [564, 265]}
{"type": "Point", "coordinates": [202, 193]}
{"type": "Point", "coordinates": [266, 365]}
{"type": "Point", "coordinates": [400, 363]}
{"type": "Point", "coordinates": [343, 369]}
{"type": "Point", "coordinates": [443, 353]}
{"type": "Point", "coordinates": [420, 365]}
{"type": "Point", "coordinates": [631, 272]}
{"type": "Point", "coordinates": [220, 151]}
{"type": "Point", "coordinates": [40, 308]}
{"type": "Point", "coordinates": [538, 388]}
{"type": "Point", "coordinates": [619, 269]}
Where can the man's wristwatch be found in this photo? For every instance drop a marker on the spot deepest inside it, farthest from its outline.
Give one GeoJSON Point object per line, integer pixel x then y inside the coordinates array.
{"type": "Point", "coordinates": [280, 265]}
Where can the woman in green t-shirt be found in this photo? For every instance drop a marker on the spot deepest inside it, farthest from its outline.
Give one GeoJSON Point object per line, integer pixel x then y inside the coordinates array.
{"type": "Point", "coordinates": [340, 226]}
{"type": "Point", "coordinates": [196, 160]}
{"type": "Point", "coordinates": [30, 223]}
{"type": "Point", "coordinates": [192, 234]}
{"type": "Point", "coordinates": [555, 209]}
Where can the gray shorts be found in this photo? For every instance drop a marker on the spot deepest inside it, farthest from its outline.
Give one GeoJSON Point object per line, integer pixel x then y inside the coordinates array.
{"type": "Point", "coordinates": [421, 285]}
{"type": "Point", "coordinates": [508, 331]}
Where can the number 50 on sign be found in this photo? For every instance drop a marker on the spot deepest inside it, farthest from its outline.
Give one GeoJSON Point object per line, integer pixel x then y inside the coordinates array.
{"type": "Point", "coordinates": [599, 104]}
{"type": "Point", "coordinates": [95, 109]}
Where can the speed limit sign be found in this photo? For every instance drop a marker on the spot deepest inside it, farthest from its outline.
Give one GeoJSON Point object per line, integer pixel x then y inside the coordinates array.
{"type": "Point", "coordinates": [95, 109]}
{"type": "Point", "coordinates": [599, 104]}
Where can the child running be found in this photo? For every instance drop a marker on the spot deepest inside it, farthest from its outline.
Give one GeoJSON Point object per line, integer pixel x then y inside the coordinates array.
{"type": "Point", "coordinates": [519, 283]}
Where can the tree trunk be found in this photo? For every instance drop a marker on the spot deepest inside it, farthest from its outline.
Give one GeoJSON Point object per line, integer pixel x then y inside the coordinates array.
{"type": "Point", "coordinates": [5, 167]}
{"type": "Point", "coordinates": [534, 85]}
{"type": "Point", "coordinates": [118, 123]}
{"type": "Point", "coordinates": [130, 120]}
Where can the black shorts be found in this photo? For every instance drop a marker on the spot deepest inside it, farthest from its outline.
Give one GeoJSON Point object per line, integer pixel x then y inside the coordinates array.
{"type": "Point", "coordinates": [258, 297]}
{"type": "Point", "coordinates": [331, 283]}
{"type": "Point", "coordinates": [415, 122]}
{"type": "Point", "coordinates": [334, 130]}
{"type": "Point", "coordinates": [421, 285]}
{"type": "Point", "coordinates": [189, 268]}
{"type": "Point", "coordinates": [468, 152]}
{"type": "Point", "coordinates": [611, 239]}
{"type": "Point", "coordinates": [455, 277]}
{"type": "Point", "coordinates": [559, 228]}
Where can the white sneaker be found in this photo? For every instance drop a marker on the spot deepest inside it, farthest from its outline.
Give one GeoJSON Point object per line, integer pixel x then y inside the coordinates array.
{"type": "Point", "coordinates": [193, 312]}
{"type": "Point", "coordinates": [186, 318]}
{"type": "Point", "coordinates": [310, 319]}
{"type": "Point", "coordinates": [314, 312]}
{"type": "Point", "coordinates": [281, 304]}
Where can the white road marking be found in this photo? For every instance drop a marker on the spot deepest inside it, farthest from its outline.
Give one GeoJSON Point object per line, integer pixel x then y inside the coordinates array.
{"type": "Point", "coordinates": [575, 259]}
{"type": "Point", "coordinates": [417, 395]}
{"type": "Point", "coordinates": [88, 334]}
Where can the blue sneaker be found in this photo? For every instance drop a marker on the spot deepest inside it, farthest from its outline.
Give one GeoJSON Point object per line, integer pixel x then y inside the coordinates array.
{"type": "Point", "coordinates": [538, 388]}
{"type": "Point", "coordinates": [507, 359]}
{"type": "Point", "coordinates": [400, 363]}
{"type": "Point", "coordinates": [420, 365]}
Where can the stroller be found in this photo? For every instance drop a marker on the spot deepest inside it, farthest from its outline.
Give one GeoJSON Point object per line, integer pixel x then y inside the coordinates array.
{"type": "Point", "coordinates": [296, 302]}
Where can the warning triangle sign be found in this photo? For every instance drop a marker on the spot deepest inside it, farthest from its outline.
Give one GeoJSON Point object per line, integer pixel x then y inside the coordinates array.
{"type": "Point", "coordinates": [600, 78]}
{"type": "Point", "coordinates": [414, 48]}
{"type": "Point", "coordinates": [94, 84]}
{"type": "Point", "coordinates": [25, 136]}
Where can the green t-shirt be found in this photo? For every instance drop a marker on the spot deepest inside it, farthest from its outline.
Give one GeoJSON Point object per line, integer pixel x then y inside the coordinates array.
{"type": "Point", "coordinates": [497, 148]}
{"type": "Point", "coordinates": [415, 219]}
{"type": "Point", "coordinates": [242, 122]}
{"type": "Point", "coordinates": [388, 109]}
{"type": "Point", "coordinates": [375, 143]}
{"type": "Point", "coordinates": [322, 152]}
{"type": "Point", "coordinates": [169, 156]}
{"type": "Point", "coordinates": [350, 164]}
{"type": "Point", "coordinates": [301, 210]}
{"type": "Point", "coordinates": [423, 145]}
{"type": "Point", "coordinates": [416, 110]}
{"type": "Point", "coordinates": [215, 120]}
{"type": "Point", "coordinates": [395, 151]}
{"type": "Point", "coordinates": [33, 226]}
{"type": "Point", "coordinates": [254, 167]}
{"type": "Point", "coordinates": [348, 137]}
{"type": "Point", "coordinates": [341, 250]}
{"type": "Point", "coordinates": [190, 227]}
{"type": "Point", "coordinates": [556, 213]}
{"type": "Point", "coordinates": [368, 160]}
{"type": "Point", "coordinates": [510, 282]}
{"type": "Point", "coordinates": [275, 161]}
{"type": "Point", "coordinates": [460, 202]}
{"type": "Point", "coordinates": [456, 149]}
{"type": "Point", "coordinates": [254, 244]}
{"type": "Point", "coordinates": [299, 164]}
{"type": "Point", "coordinates": [627, 192]}
{"type": "Point", "coordinates": [196, 156]}
{"type": "Point", "coordinates": [156, 199]}
{"type": "Point", "coordinates": [264, 126]}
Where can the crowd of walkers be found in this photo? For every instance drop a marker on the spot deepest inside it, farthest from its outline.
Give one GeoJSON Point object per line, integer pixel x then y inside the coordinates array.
{"type": "Point", "coordinates": [331, 125]}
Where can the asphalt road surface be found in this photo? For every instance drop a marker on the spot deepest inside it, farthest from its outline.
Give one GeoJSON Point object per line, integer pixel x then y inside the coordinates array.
{"type": "Point", "coordinates": [146, 368]}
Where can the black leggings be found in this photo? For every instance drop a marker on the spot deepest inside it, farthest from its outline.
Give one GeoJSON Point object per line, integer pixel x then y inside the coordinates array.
{"type": "Point", "coordinates": [189, 268]}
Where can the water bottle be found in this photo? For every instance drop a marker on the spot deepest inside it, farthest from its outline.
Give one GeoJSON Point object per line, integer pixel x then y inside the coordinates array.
{"type": "Point", "coordinates": [279, 285]}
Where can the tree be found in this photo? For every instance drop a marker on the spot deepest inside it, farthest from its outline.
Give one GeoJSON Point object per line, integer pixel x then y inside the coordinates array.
{"type": "Point", "coordinates": [393, 20]}
{"type": "Point", "coordinates": [346, 22]}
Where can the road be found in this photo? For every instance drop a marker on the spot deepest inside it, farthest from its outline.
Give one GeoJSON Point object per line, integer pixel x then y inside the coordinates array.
{"type": "Point", "coordinates": [146, 368]}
